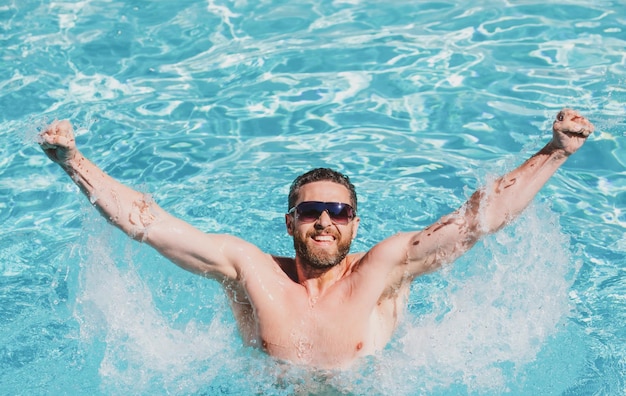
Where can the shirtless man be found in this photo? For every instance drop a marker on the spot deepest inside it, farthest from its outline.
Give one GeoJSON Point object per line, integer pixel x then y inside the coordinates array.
{"type": "Point", "coordinates": [324, 308]}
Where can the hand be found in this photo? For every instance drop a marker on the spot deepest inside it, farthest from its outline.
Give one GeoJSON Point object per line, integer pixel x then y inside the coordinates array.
{"type": "Point", "coordinates": [57, 141]}
{"type": "Point", "coordinates": [570, 130]}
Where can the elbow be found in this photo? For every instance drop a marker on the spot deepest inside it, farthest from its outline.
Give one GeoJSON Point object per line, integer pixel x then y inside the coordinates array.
{"type": "Point", "coordinates": [142, 216]}
{"type": "Point", "coordinates": [497, 220]}
{"type": "Point", "coordinates": [486, 215]}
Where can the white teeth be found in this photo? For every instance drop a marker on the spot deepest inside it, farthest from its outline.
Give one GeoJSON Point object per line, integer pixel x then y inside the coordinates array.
{"type": "Point", "coordinates": [324, 238]}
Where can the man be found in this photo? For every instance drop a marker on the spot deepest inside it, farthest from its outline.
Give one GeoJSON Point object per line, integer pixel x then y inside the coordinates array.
{"type": "Point", "coordinates": [324, 308]}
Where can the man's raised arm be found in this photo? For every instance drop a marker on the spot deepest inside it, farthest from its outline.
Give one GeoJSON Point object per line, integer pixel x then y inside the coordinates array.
{"type": "Point", "coordinates": [489, 208]}
{"type": "Point", "coordinates": [138, 215]}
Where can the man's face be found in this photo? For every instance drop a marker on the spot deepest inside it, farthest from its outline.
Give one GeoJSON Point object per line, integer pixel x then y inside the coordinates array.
{"type": "Point", "coordinates": [322, 243]}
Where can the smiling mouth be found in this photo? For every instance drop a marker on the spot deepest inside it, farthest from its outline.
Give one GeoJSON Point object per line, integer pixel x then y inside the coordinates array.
{"type": "Point", "coordinates": [324, 238]}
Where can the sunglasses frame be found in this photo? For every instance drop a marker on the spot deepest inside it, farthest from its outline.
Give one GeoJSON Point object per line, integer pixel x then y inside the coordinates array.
{"type": "Point", "coordinates": [322, 207]}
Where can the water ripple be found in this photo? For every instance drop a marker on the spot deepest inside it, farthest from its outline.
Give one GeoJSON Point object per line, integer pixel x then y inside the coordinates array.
{"type": "Point", "coordinates": [214, 107]}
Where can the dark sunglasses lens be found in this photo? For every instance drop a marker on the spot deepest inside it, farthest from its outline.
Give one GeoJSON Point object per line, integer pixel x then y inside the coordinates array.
{"type": "Point", "coordinates": [309, 212]}
{"type": "Point", "coordinates": [338, 212]}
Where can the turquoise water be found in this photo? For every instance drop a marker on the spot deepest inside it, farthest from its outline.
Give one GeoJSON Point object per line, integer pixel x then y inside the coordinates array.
{"type": "Point", "coordinates": [214, 106]}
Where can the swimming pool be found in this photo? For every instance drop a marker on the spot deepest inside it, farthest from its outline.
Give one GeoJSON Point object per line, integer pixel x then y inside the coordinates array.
{"type": "Point", "coordinates": [215, 106]}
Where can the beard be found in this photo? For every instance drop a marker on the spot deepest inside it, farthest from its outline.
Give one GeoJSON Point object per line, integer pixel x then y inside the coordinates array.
{"type": "Point", "coordinates": [320, 259]}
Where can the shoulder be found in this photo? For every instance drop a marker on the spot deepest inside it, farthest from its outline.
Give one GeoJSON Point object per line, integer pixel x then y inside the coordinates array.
{"type": "Point", "coordinates": [397, 259]}
{"type": "Point", "coordinates": [383, 257]}
{"type": "Point", "coordinates": [392, 250]}
{"type": "Point", "coordinates": [378, 274]}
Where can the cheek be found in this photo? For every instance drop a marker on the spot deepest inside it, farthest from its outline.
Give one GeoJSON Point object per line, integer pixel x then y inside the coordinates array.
{"type": "Point", "coordinates": [303, 232]}
{"type": "Point", "coordinates": [347, 238]}
{"type": "Point", "coordinates": [297, 232]}
{"type": "Point", "coordinates": [355, 227]}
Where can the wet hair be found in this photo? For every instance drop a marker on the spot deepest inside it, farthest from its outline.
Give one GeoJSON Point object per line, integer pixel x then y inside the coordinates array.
{"type": "Point", "coordinates": [321, 174]}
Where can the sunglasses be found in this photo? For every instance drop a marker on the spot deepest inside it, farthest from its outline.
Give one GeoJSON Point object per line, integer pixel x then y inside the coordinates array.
{"type": "Point", "coordinates": [310, 211]}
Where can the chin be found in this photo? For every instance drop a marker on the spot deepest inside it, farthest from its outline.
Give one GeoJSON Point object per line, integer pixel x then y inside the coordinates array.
{"type": "Point", "coordinates": [322, 264]}
{"type": "Point", "coordinates": [323, 261]}
{"type": "Point", "coordinates": [320, 259]}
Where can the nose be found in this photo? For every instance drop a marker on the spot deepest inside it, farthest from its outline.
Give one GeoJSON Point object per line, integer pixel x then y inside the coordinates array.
{"type": "Point", "coordinates": [324, 220]}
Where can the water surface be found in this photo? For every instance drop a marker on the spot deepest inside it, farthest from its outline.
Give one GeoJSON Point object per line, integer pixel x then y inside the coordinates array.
{"type": "Point", "coordinates": [214, 106]}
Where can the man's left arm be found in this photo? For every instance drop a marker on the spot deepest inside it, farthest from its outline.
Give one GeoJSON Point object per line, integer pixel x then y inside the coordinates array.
{"type": "Point", "coordinates": [489, 208]}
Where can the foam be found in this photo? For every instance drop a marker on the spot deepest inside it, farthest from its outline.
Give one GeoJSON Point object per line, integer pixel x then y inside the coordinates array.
{"type": "Point", "coordinates": [490, 315]}
{"type": "Point", "coordinates": [488, 325]}
{"type": "Point", "coordinates": [142, 349]}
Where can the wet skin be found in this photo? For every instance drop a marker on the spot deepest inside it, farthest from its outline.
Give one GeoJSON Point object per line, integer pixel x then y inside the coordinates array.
{"type": "Point", "coordinates": [321, 317]}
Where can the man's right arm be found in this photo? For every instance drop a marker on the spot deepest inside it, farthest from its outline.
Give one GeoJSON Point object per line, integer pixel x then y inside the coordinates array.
{"type": "Point", "coordinates": [137, 215]}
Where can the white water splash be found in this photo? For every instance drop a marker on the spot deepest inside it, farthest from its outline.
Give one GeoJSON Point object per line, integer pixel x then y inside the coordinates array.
{"type": "Point", "coordinates": [143, 349]}
{"type": "Point", "coordinates": [498, 308]}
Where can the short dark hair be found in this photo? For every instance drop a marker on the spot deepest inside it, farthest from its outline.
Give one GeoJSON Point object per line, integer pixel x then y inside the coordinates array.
{"type": "Point", "coordinates": [321, 174]}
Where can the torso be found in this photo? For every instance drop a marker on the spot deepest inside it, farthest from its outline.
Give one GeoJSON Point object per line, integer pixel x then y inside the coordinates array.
{"type": "Point", "coordinates": [277, 314]}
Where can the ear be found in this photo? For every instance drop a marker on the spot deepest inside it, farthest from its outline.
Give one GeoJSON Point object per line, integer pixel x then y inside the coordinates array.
{"type": "Point", "coordinates": [355, 226]}
{"type": "Point", "coordinates": [289, 223]}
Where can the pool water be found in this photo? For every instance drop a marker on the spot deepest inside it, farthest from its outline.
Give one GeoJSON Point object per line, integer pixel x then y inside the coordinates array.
{"type": "Point", "coordinates": [214, 106]}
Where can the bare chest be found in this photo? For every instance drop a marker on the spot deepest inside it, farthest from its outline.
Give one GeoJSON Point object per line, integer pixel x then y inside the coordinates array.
{"type": "Point", "coordinates": [331, 331]}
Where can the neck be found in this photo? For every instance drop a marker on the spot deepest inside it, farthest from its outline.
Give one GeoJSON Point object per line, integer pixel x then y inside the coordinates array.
{"type": "Point", "coordinates": [318, 280]}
